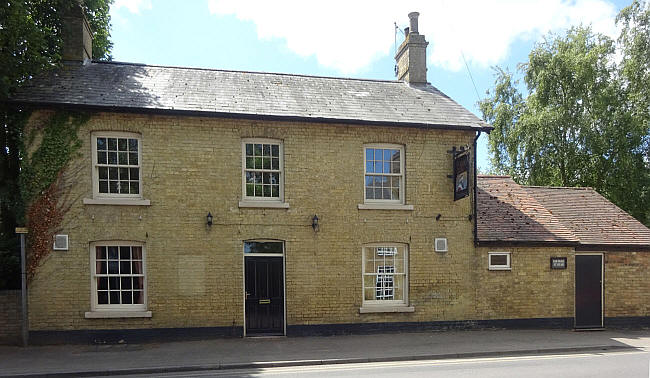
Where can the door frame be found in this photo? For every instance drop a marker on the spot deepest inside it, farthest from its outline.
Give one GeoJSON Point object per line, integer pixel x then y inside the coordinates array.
{"type": "Point", "coordinates": [284, 278]}
{"type": "Point", "coordinates": [602, 286]}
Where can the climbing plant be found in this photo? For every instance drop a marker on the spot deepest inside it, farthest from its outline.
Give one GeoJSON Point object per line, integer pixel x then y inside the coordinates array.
{"type": "Point", "coordinates": [46, 154]}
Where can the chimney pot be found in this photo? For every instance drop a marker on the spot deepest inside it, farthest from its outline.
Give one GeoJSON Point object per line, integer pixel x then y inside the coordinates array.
{"type": "Point", "coordinates": [413, 20]}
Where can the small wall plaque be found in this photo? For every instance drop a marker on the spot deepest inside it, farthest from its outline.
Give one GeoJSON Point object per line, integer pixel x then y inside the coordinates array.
{"type": "Point", "coordinates": [558, 262]}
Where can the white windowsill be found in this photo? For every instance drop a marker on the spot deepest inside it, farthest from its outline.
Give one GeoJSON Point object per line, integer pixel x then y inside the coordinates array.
{"type": "Point", "coordinates": [117, 201]}
{"type": "Point", "coordinates": [264, 204]}
{"type": "Point", "coordinates": [117, 314]}
{"type": "Point", "coordinates": [384, 206]}
{"type": "Point", "coordinates": [376, 309]}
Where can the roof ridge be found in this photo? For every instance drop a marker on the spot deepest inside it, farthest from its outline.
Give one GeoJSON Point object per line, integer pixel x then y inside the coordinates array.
{"type": "Point", "coordinates": [243, 71]}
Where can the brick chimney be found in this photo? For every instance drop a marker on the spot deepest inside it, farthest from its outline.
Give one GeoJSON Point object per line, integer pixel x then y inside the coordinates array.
{"type": "Point", "coordinates": [76, 34]}
{"type": "Point", "coordinates": [411, 56]}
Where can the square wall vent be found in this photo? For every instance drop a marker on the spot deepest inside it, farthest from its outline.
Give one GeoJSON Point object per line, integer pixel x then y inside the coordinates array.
{"type": "Point", "coordinates": [60, 242]}
{"type": "Point", "coordinates": [440, 244]}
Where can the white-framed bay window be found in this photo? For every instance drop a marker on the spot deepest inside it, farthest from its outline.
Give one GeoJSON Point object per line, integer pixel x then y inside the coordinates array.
{"type": "Point", "coordinates": [117, 168]}
{"type": "Point", "coordinates": [262, 173]}
{"type": "Point", "coordinates": [385, 278]}
{"type": "Point", "coordinates": [118, 279]}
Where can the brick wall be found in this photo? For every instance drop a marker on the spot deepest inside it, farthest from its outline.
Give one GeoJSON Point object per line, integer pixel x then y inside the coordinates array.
{"type": "Point", "coordinates": [193, 165]}
{"type": "Point", "coordinates": [10, 317]}
{"type": "Point", "coordinates": [531, 289]}
{"type": "Point", "coordinates": [627, 284]}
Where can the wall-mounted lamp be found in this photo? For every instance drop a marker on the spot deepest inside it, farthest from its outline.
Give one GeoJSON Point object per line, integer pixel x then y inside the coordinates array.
{"type": "Point", "coordinates": [314, 222]}
{"type": "Point", "coordinates": [209, 219]}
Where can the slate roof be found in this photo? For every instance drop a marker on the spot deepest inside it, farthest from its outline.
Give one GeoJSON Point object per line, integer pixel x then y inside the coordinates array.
{"type": "Point", "coordinates": [508, 213]}
{"type": "Point", "coordinates": [591, 217]}
{"type": "Point", "coordinates": [136, 87]}
{"type": "Point", "coordinates": [511, 213]}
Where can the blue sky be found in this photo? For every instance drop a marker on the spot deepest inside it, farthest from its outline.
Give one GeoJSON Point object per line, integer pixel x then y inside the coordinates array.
{"type": "Point", "coordinates": [349, 39]}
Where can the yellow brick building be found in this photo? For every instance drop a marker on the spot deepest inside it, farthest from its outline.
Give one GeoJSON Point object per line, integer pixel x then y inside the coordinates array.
{"type": "Point", "coordinates": [209, 203]}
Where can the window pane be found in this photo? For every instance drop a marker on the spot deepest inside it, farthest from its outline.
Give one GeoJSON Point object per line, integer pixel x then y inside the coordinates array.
{"type": "Point", "coordinates": [258, 150]}
{"type": "Point", "coordinates": [275, 178]}
{"type": "Point", "coordinates": [102, 297]}
{"type": "Point", "coordinates": [126, 297]}
{"type": "Point", "coordinates": [250, 190]}
{"type": "Point", "coordinates": [103, 173]}
{"type": "Point", "coordinates": [499, 260]}
{"type": "Point", "coordinates": [275, 164]}
{"type": "Point", "coordinates": [112, 253]}
{"type": "Point", "coordinates": [395, 155]}
{"type": "Point", "coordinates": [112, 144]}
{"type": "Point", "coordinates": [125, 253]}
{"type": "Point", "coordinates": [275, 191]}
{"type": "Point", "coordinates": [126, 282]}
{"type": "Point", "coordinates": [124, 159]}
{"type": "Point", "coordinates": [394, 194]}
{"type": "Point", "coordinates": [262, 247]}
{"type": "Point", "coordinates": [266, 149]}
{"type": "Point", "coordinates": [113, 187]}
{"type": "Point", "coordinates": [113, 267]}
{"type": "Point", "coordinates": [112, 158]}
{"type": "Point", "coordinates": [138, 298]}
{"type": "Point", "coordinates": [370, 154]}
{"type": "Point", "coordinates": [124, 187]}
{"type": "Point", "coordinates": [395, 167]}
{"type": "Point", "coordinates": [113, 173]}
{"type": "Point", "coordinates": [258, 190]}
{"type": "Point", "coordinates": [387, 154]}
{"type": "Point", "coordinates": [369, 167]}
{"type": "Point", "coordinates": [266, 178]}
{"type": "Point", "coordinates": [103, 186]}
{"type": "Point", "coordinates": [100, 252]}
{"type": "Point", "coordinates": [378, 154]}
{"type": "Point", "coordinates": [370, 193]}
{"type": "Point", "coordinates": [102, 283]}
{"type": "Point", "coordinates": [124, 173]}
{"type": "Point", "coordinates": [267, 163]}
{"type": "Point", "coordinates": [275, 150]}
{"type": "Point", "coordinates": [101, 144]}
{"type": "Point", "coordinates": [102, 267]}
{"type": "Point", "coordinates": [133, 145]}
{"type": "Point", "coordinates": [249, 149]}
{"type": "Point", "coordinates": [137, 283]}
{"type": "Point", "coordinates": [136, 253]}
{"type": "Point", "coordinates": [386, 167]}
{"type": "Point", "coordinates": [114, 297]}
{"type": "Point", "coordinates": [135, 187]}
{"type": "Point", "coordinates": [250, 163]}
{"type": "Point", "coordinates": [267, 190]}
{"type": "Point", "coordinates": [134, 173]}
{"type": "Point", "coordinates": [101, 157]}
{"type": "Point", "coordinates": [122, 144]}
{"type": "Point", "coordinates": [137, 267]}
{"type": "Point", "coordinates": [113, 283]}
{"type": "Point", "coordinates": [133, 158]}
{"type": "Point", "coordinates": [125, 267]}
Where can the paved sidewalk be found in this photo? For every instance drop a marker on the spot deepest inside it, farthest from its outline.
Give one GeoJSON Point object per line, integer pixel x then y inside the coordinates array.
{"type": "Point", "coordinates": [266, 352]}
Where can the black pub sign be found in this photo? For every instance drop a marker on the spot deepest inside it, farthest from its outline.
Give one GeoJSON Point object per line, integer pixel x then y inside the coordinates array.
{"type": "Point", "coordinates": [558, 262]}
{"type": "Point", "coordinates": [461, 175]}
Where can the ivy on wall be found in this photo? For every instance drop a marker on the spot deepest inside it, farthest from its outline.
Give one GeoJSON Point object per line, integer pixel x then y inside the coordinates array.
{"type": "Point", "coordinates": [47, 152]}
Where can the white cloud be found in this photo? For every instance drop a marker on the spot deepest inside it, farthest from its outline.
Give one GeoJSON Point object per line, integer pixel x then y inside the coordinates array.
{"type": "Point", "coordinates": [349, 35]}
{"type": "Point", "coordinates": [133, 6]}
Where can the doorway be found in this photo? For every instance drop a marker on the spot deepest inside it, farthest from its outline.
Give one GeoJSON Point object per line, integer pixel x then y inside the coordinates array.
{"type": "Point", "coordinates": [264, 288]}
{"type": "Point", "coordinates": [589, 291]}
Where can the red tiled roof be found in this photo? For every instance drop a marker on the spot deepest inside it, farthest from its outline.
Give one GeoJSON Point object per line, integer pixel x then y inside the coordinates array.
{"type": "Point", "coordinates": [591, 217]}
{"type": "Point", "coordinates": [508, 213]}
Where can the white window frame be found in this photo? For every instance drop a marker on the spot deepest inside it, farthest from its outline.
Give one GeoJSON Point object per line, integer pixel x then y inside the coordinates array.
{"type": "Point", "coordinates": [252, 201]}
{"type": "Point", "coordinates": [372, 306]}
{"type": "Point", "coordinates": [116, 310]}
{"type": "Point", "coordinates": [95, 172]}
{"type": "Point", "coordinates": [401, 175]}
{"type": "Point", "coordinates": [508, 265]}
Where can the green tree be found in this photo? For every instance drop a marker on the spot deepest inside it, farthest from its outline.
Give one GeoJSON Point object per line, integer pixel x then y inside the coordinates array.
{"type": "Point", "coordinates": [30, 43]}
{"type": "Point", "coordinates": [583, 121]}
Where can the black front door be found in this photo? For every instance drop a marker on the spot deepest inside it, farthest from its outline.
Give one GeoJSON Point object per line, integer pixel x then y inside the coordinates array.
{"type": "Point", "coordinates": [264, 296]}
{"type": "Point", "coordinates": [589, 291]}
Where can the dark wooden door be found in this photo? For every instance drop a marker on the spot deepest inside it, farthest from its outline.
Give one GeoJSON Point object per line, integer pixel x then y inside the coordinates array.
{"type": "Point", "coordinates": [589, 291]}
{"type": "Point", "coordinates": [264, 296]}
